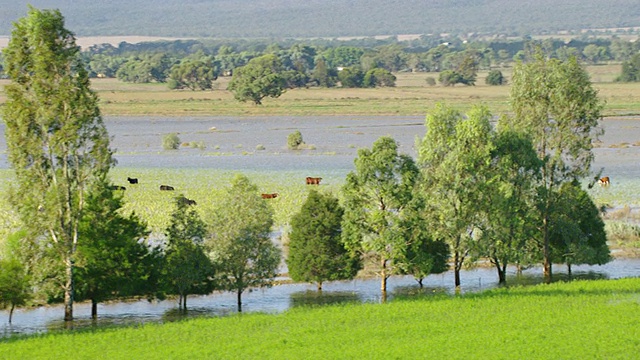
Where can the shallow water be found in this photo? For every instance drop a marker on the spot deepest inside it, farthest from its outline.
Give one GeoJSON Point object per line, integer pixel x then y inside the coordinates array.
{"type": "Point", "coordinates": [282, 297]}
{"type": "Point", "coordinates": [232, 146]}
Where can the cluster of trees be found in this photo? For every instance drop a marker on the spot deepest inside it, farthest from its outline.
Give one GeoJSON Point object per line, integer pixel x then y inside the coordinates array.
{"type": "Point", "coordinates": [510, 193]}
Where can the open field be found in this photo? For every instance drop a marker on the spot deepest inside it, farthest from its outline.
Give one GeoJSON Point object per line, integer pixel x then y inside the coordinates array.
{"type": "Point", "coordinates": [410, 96]}
{"type": "Point", "coordinates": [577, 320]}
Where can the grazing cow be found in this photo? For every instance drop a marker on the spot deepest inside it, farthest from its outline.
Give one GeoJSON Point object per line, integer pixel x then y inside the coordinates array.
{"type": "Point", "coordinates": [132, 180]}
{"type": "Point", "coordinates": [270, 196]}
{"type": "Point", "coordinates": [117, 187]}
{"type": "Point", "coordinates": [166, 188]}
{"type": "Point", "coordinates": [604, 181]}
{"type": "Point", "coordinates": [183, 200]}
{"type": "Point", "coordinates": [313, 180]}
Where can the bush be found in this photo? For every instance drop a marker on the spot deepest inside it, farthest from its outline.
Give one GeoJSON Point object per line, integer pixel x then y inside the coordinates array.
{"type": "Point", "coordinates": [431, 81]}
{"type": "Point", "coordinates": [170, 141]}
{"type": "Point", "coordinates": [495, 77]}
{"type": "Point", "coordinates": [294, 140]}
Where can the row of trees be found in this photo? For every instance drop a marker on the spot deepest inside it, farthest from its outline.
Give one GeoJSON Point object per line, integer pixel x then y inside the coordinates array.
{"type": "Point", "coordinates": [509, 193]}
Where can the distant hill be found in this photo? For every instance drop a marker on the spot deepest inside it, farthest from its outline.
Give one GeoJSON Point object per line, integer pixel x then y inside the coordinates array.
{"type": "Point", "coordinates": [327, 18]}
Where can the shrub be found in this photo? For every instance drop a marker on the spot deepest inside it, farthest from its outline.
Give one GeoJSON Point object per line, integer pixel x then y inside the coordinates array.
{"type": "Point", "coordinates": [170, 141]}
{"type": "Point", "coordinates": [294, 140]}
{"type": "Point", "coordinates": [495, 77]}
{"type": "Point", "coordinates": [431, 81]}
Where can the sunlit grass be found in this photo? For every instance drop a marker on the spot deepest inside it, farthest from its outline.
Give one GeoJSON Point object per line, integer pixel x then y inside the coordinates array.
{"type": "Point", "coordinates": [577, 320]}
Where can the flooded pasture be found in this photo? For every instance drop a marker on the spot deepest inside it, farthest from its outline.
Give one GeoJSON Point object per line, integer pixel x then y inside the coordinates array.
{"type": "Point", "coordinates": [260, 144]}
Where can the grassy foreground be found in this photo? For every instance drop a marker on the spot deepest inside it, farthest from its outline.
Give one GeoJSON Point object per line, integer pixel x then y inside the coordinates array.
{"type": "Point", "coordinates": [578, 320]}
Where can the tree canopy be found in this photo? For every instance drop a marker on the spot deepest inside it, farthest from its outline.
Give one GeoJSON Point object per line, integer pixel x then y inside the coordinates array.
{"type": "Point", "coordinates": [260, 78]}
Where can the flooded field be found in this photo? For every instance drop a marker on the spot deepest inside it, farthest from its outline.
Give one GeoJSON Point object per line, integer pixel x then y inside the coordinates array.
{"type": "Point", "coordinates": [260, 144]}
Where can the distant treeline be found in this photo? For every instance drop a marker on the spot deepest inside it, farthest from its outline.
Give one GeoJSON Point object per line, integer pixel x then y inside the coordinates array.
{"type": "Point", "coordinates": [154, 61]}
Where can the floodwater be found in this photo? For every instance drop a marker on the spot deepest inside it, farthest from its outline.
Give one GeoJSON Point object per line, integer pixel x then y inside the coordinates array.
{"type": "Point", "coordinates": [231, 143]}
{"type": "Point", "coordinates": [279, 298]}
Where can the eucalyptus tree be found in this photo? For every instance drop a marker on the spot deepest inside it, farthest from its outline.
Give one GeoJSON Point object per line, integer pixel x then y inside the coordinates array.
{"type": "Point", "coordinates": [376, 195]}
{"type": "Point", "coordinates": [192, 74]}
{"type": "Point", "coordinates": [511, 199]}
{"type": "Point", "coordinates": [114, 259]}
{"type": "Point", "coordinates": [57, 142]}
{"type": "Point", "coordinates": [555, 102]}
{"type": "Point", "coordinates": [455, 159]}
{"type": "Point", "coordinates": [188, 269]}
{"type": "Point", "coordinates": [577, 229]}
{"type": "Point", "coordinates": [316, 251]}
{"type": "Point", "coordinates": [240, 239]}
{"type": "Point", "coordinates": [261, 77]}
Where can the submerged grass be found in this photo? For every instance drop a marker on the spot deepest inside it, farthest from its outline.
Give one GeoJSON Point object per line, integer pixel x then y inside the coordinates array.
{"type": "Point", "coordinates": [582, 319]}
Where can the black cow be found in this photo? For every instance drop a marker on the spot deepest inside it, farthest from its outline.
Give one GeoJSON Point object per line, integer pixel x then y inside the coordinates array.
{"type": "Point", "coordinates": [117, 187]}
{"type": "Point", "coordinates": [183, 200]}
{"type": "Point", "coordinates": [132, 180]}
{"type": "Point", "coordinates": [166, 188]}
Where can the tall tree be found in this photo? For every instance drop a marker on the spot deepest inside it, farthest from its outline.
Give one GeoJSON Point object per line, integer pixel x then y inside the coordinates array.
{"type": "Point", "coordinates": [316, 251]}
{"type": "Point", "coordinates": [56, 139]}
{"type": "Point", "coordinates": [454, 156]}
{"type": "Point", "coordinates": [375, 197]}
{"type": "Point", "coordinates": [193, 74]}
{"type": "Point", "coordinates": [240, 244]}
{"type": "Point", "coordinates": [260, 78]}
{"type": "Point", "coordinates": [511, 200]}
{"type": "Point", "coordinates": [114, 261]}
{"type": "Point", "coordinates": [556, 104]}
{"type": "Point", "coordinates": [188, 269]}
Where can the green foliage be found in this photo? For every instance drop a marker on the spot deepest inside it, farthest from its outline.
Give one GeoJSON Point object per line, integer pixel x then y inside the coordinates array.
{"type": "Point", "coordinates": [240, 244]}
{"type": "Point", "coordinates": [171, 141]}
{"type": "Point", "coordinates": [591, 319]}
{"type": "Point", "coordinates": [149, 68]}
{"type": "Point", "coordinates": [630, 70]}
{"type": "Point", "coordinates": [113, 258]}
{"type": "Point", "coordinates": [260, 78]}
{"type": "Point", "coordinates": [454, 156]}
{"type": "Point", "coordinates": [324, 75]}
{"type": "Point", "coordinates": [193, 74]}
{"type": "Point", "coordinates": [379, 78]}
{"type": "Point", "coordinates": [495, 78]}
{"type": "Point", "coordinates": [15, 287]}
{"type": "Point", "coordinates": [316, 251]}
{"type": "Point", "coordinates": [577, 230]}
{"type": "Point", "coordinates": [449, 78]}
{"type": "Point", "coordinates": [375, 197]}
{"type": "Point", "coordinates": [351, 77]}
{"type": "Point", "coordinates": [188, 270]}
{"type": "Point", "coordinates": [555, 102]}
{"type": "Point", "coordinates": [431, 81]}
{"type": "Point", "coordinates": [294, 140]}
{"type": "Point", "coordinates": [57, 142]}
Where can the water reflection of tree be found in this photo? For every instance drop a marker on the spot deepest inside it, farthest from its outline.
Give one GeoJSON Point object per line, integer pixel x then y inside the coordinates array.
{"type": "Point", "coordinates": [319, 298]}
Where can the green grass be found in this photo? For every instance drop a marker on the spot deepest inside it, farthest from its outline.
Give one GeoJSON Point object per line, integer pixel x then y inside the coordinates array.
{"type": "Point", "coordinates": [578, 320]}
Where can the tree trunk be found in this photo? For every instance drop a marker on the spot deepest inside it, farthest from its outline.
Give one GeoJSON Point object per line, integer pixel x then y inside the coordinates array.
{"type": "Point", "coordinates": [94, 309]}
{"type": "Point", "coordinates": [420, 282]}
{"type": "Point", "coordinates": [456, 270]}
{"type": "Point", "coordinates": [184, 302]}
{"type": "Point", "coordinates": [68, 290]}
{"type": "Point", "coordinates": [319, 286]}
{"type": "Point", "coordinates": [239, 300]}
{"type": "Point", "coordinates": [13, 306]}
{"type": "Point", "coordinates": [502, 279]}
{"type": "Point", "coordinates": [569, 268]}
{"type": "Point", "coordinates": [383, 280]}
{"type": "Point", "coordinates": [547, 271]}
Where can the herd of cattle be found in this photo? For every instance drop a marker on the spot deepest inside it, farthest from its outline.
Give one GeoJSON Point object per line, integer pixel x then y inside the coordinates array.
{"type": "Point", "coordinates": [186, 201]}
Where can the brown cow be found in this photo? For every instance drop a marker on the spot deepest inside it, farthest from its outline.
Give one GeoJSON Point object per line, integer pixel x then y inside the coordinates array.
{"type": "Point", "coordinates": [313, 180]}
{"type": "Point", "coordinates": [270, 196]}
{"type": "Point", "coordinates": [166, 188]}
{"type": "Point", "coordinates": [604, 181]}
